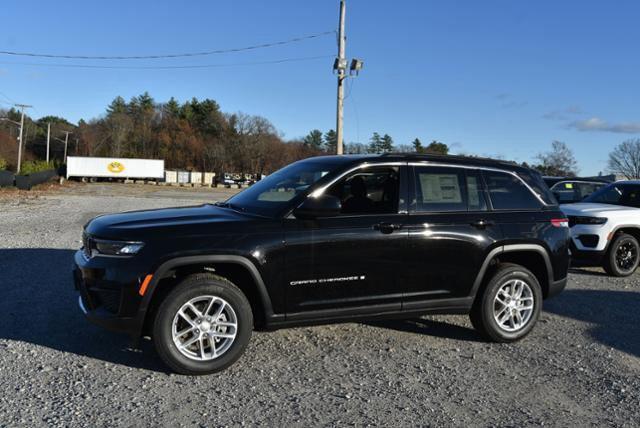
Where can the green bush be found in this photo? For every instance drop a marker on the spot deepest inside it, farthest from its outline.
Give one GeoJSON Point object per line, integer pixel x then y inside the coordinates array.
{"type": "Point", "coordinates": [30, 167]}
{"type": "Point", "coordinates": [3, 164]}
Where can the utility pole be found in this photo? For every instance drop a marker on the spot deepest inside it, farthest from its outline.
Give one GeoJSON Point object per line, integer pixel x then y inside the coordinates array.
{"type": "Point", "coordinates": [48, 139]}
{"type": "Point", "coordinates": [341, 66]}
{"type": "Point", "coordinates": [22, 107]}
{"type": "Point", "coordinates": [66, 143]}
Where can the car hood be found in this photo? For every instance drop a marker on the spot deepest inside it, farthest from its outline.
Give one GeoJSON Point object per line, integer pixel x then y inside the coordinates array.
{"type": "Point", "coordinates": [132, 225]}
{"type": "Point", "coordinates": [586, 208]}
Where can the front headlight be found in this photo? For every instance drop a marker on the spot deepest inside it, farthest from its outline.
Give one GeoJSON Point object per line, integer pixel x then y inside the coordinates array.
{"type": "Point", "coordinates": [117, 248]}
{"type": "Point", "coordinates": [590, 220]}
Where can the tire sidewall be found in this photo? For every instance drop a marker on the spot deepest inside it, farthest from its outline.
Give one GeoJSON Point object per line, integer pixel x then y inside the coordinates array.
{"type": "Point", "coordinates": [493, 287]}
{"type": "Point", "coordinates": [163, 326]}
{"type": "Point", "coordinates": [621, 239]}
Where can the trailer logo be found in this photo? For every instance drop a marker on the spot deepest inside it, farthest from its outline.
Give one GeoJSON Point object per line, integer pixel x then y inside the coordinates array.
{"type": "Point", "coordinates": [115, 167]}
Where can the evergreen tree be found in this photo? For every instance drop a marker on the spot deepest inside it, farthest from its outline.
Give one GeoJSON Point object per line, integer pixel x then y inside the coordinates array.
{"type": "Point", "coordinates": [330, 141]}
{"type": "Point", "coordinates": [375, 143]}
{"type": "Point", "coordinates": [314, 140]}
{"type": "Point", "coordinates": [417, 146]}
{"type": "Point", "coordinates": [117, 106]}
{"type": "Point", "coordinates": [386, 144]}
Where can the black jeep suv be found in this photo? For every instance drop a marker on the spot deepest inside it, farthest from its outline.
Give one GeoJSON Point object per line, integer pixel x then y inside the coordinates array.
{"type": "Point", "coordinates": [329, 239]}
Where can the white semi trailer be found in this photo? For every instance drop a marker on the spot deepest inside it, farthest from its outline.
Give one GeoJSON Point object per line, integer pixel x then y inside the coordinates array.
{"type": "Point", "coordinates": [90, 167]}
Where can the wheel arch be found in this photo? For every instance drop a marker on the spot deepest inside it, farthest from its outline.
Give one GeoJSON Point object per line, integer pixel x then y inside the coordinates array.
{"type": "Point", "coordinates": [237, 269]}
{"type": "Point", "coordinates": [531, 256]}
{"type": "Point", "coordinates": [633, 230]}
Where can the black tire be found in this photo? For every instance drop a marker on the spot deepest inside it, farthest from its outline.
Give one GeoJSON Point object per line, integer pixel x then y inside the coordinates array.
{"type": "Point", "coordinates": [482, 313]}
{"type": "Point", "coordinates": [192, 287]}
{"type": "Point", "coordinates": [613, 264]}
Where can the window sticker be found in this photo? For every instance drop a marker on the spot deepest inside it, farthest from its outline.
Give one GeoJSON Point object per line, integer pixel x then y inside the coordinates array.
{"type": "Point", "coordinates": [440, 188]}
{"type": "Point", "coordinates": [568, 185]}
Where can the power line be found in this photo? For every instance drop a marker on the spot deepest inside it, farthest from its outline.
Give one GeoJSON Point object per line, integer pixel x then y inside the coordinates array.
{"type": "Point", "coordinates": [175, 55]}
{"type": "Point", "coordinates": [168, 67]}
{"type": "Point", "coordinates": [8, 98]}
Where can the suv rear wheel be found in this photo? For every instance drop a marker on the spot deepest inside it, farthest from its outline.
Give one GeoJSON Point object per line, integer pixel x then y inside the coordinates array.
{"type": "Point", "coordinates": [203, 325]}
{"type": "Point", "coordinates": [510, 305]}
{"type": "Point", "coordinates": [623, 256]}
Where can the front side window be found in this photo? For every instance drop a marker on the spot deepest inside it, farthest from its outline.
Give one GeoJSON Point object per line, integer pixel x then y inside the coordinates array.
{"type": "Point", "coordinates": [508, 192]}
{"type": "Point", "coordinates": [372, 190]}
{"type": "Point", "coordinates": [617, 194]}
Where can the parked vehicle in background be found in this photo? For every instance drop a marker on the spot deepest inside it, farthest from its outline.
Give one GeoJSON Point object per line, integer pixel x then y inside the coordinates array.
{"type": "Point", "coordinates": [95, 167]}
{"type": "Point", "coordinates": [329, 239]}
{"type": "Point", "coordinates": [552, 181]}
{"type": "Point", "coordinates": [605, 228]}
{"type": "Point", "coordinates": [572, 191]}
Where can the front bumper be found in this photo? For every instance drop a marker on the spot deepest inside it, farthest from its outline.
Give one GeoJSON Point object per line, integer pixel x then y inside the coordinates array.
{"type": "Point", "coordinates": [586, 258]}
{"type": "Point", "coordinates": [108, 293]}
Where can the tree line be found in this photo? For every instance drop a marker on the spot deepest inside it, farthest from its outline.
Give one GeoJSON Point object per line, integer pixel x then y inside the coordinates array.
{"type": "Point", "coordinates": [197, 135]}
{"type": "Point", "coordinates": [193, 135]}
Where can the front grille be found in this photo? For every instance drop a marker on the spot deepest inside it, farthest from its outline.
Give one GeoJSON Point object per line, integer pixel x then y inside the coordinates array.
{"type": "Point", "coordinates": [108, 299]}
{"type": "Point", "coordinates": [573, 220]}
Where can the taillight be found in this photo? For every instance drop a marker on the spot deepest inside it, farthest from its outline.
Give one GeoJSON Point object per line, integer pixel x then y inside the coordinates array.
{"type": "Point", "coordinates": [560, 222]}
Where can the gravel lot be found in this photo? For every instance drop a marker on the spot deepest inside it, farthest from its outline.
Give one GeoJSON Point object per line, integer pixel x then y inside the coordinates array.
{"type": "Point", "coordinates": [579, 367]}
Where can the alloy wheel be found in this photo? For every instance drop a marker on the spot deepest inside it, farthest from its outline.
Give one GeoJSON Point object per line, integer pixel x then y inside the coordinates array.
{"type": "Point", "coordinates": [626, 256]}
{"type": "Point", "coordinates": [204, 328]}
{"type": "Point", "coordinates": [513, 305]}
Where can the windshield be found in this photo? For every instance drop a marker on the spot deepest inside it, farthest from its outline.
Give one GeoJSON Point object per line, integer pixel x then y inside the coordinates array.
{"type": "Point", "coordinates": [624, 194]}
{"type": "Point", "coordinates": [272, 195]}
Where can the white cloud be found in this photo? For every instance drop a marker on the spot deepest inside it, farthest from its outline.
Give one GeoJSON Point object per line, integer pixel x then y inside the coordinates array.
{"type": "Point", "coordinates": [596, 124]}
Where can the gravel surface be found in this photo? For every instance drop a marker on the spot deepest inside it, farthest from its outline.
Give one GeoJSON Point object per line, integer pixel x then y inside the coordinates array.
{"type": "Point", "coordinates": [579, 367]}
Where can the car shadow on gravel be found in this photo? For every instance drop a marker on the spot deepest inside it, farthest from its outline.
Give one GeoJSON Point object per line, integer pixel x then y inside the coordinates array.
{"type": "Point", "coordinates": [429, 327]}
{"type": "Point", "coordinates": [616, 315]}
{"type": "Point", "coordinates": [39, 305]}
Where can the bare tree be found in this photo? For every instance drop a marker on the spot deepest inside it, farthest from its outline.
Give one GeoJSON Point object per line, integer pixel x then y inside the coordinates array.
{"type": "Point", "coordinates": [625, 159]}
{"type": "Point", "coordinates": [558, 162]}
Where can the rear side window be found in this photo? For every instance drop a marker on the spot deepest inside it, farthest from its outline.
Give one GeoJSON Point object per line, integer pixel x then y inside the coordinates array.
{"type": "Point", "coordinates": [508, 192]}
{"type": "Point", "coordinates": [447, 190]}
{"type": "Point", "coordinates": [537, 183]}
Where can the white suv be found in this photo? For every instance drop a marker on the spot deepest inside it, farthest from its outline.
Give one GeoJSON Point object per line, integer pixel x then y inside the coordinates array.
{"type": "Point", "coordinates": [605, 228]}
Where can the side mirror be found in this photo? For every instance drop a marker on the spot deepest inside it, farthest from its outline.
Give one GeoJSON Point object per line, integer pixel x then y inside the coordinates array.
{"type": "Point", "coordinates": [322, 206]}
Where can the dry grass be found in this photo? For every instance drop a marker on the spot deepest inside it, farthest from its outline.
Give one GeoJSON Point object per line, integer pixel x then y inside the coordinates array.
{"type": "Point", "coordinates": [15, 194]}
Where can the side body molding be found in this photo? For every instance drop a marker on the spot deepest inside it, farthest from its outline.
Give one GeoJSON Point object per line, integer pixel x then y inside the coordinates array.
{"type": "Point", "coordinates": [511, 248]}
{"type": "Point", "coordinates": [265, 300]}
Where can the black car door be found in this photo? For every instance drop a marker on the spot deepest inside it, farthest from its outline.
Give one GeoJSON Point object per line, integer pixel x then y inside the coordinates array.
{"type": "Point", "coordinates": [349, 262]}
{"type": "Point", "coordinates": [450, 232]}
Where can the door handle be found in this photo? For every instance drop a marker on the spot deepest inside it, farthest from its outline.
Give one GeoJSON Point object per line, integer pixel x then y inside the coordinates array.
{"type": "Point", "coordinates": [482, 224]}
{"type": "Point", "coordinates": [387, 228]}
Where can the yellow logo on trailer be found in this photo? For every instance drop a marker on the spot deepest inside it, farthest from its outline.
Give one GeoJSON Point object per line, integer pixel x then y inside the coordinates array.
{"type": "Point", "coordinates": [115, 167]}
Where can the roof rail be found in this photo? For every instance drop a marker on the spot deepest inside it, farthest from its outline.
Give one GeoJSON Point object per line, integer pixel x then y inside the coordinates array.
{"type": "Point", "coordinates": [440, 156]}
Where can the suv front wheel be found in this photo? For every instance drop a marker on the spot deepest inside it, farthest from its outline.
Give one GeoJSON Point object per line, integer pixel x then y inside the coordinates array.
{"type": "Point", "coordinates": [623, 256]}
{"type": "Point", "coordinates": [203, 325]}
{"type": "Point", "coordinates": [510, 305]}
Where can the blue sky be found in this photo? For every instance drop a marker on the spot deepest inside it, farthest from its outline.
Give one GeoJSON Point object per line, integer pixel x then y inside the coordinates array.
{"type": "Point", "coordinates": [497, 77]}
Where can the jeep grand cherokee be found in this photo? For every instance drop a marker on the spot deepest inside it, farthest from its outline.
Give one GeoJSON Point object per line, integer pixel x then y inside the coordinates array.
{"type": "Point", "coordinates": [329, 239]}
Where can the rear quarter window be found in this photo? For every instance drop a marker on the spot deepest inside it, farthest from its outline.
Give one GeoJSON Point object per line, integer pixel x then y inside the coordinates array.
{"type": "Point", "coordinates": [508, 192]}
